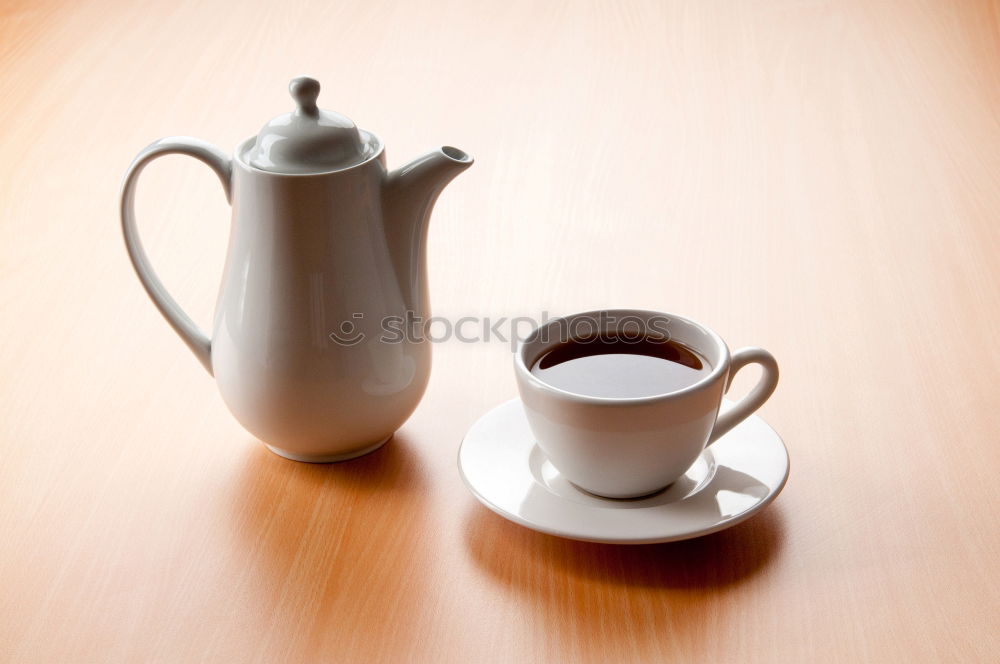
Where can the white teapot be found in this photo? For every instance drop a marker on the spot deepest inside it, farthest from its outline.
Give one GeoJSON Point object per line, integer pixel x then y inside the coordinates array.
{"type": "Point", "coordinates": [326, 246]}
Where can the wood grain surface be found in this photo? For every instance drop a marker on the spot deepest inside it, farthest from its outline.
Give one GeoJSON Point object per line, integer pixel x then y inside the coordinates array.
{"type": "Point", "coordinates": [818, 178]}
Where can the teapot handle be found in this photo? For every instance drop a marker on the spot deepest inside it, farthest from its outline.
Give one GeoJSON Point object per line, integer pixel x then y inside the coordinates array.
{"type": "Point", "coordinates": [199, 342]}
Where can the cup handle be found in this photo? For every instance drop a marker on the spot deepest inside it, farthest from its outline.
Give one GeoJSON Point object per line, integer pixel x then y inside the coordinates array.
{"type": "Point", "coordinates": [758, 395]}
{"type": "Point", "coordinates": [218, 161]}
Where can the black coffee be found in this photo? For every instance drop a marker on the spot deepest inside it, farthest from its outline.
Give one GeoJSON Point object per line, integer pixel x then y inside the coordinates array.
{"type": "Point", "coordinates": [612, 366]}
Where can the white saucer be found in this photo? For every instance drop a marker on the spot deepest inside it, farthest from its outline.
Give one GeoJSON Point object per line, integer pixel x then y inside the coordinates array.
{"type": "Point", "coordinates": [731, 481]}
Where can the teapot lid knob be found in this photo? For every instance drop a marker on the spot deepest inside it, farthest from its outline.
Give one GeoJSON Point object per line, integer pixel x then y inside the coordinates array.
{"type": "Point", "coordinates": [305, 92]}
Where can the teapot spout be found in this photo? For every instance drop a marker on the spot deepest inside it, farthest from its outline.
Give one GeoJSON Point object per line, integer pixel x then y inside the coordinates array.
{"type": "Point", "coordinates": [408, 196]}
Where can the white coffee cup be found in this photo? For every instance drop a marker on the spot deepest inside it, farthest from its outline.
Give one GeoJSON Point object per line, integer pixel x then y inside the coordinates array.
{"type": "Point", "coordinates": [634, 446]}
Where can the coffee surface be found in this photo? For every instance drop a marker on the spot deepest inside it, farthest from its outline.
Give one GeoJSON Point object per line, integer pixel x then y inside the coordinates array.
{"type": "Point", "coordinates": [615, 367]}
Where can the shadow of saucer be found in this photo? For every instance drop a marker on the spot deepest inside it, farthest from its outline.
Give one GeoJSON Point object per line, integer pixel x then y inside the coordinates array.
{"type": "Point", "coordinates": [641, 600]}
{"type": "Point", "coordinates": [713, 561]}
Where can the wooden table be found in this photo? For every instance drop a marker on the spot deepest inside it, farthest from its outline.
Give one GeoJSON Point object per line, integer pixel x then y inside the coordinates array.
{"type": "Point", "coordinates": [821, 179]}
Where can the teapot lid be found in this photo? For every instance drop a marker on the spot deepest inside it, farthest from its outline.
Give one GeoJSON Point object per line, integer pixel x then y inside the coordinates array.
{"type": "Point", "coordinates": [309, 139]}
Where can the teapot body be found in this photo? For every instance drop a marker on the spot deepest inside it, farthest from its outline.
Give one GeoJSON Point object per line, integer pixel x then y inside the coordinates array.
{"type": "Point", "coordinates": [316, 343]}
{"type": "Point", "coordinates": [309, 348]}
